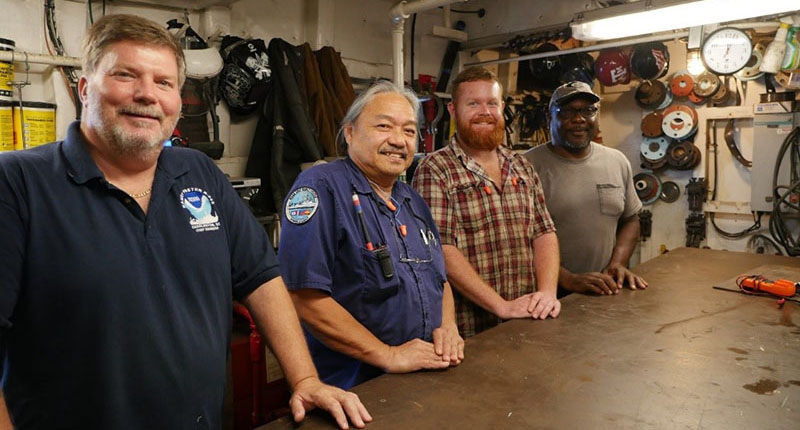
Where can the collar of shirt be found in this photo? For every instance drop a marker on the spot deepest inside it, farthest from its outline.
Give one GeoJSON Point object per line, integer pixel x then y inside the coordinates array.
{"type": "Point", "coordinates": [82, 167]}
{"type": "Point", "coordinates": [362, 186]}
{"type": "Point", "coordinates": [470, 164]}
{"type": "Point", "coordinates": [551, 147]}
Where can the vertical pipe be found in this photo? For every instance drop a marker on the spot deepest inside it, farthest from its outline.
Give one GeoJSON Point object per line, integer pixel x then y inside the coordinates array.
{"type": "Point", "coordinates": [397, 50]}
{"type": "Point", "coordinates": [400, 11]}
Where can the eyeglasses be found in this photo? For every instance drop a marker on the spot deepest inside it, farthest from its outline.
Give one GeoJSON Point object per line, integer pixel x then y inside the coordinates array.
{"type": "Point", "coordinates": [428, 239]}
{"type": "Point", "coordinates": [587, 112]}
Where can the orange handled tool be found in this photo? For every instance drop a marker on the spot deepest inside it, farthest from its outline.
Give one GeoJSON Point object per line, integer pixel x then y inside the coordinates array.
{"type": "Point", "coordinates": [758, 284]}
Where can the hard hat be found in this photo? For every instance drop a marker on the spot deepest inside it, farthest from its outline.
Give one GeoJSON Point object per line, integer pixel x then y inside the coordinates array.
{"type": "Point", "coordinates": [246, 76]}
{"type": "Point", "coordinates": [202, 63]}
{"type": "Point", "coordinates": [577, 67]}
{"type": "Point", "coordinates": [612, 67]}
{"type": "Point", "coordinates": [650, 60]}
{"type": "Point", "coordinates": [546, 72]}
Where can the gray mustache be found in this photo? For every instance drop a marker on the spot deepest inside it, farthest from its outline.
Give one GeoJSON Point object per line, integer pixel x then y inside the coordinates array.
{"type": "Point", "coordinates": [141, 111]}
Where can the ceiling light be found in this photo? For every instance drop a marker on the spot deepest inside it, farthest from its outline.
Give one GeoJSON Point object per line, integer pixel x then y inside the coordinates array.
{"type": "Point", "coordinates": [653, 16]}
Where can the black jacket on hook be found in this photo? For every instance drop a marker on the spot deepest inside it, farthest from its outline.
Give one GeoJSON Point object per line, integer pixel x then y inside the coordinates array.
{"type": "Point", "coordinates": [285, 135]}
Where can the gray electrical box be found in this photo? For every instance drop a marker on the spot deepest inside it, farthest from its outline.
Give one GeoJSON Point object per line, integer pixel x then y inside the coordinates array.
{"type": "Point", "coordinates": [769, 132]}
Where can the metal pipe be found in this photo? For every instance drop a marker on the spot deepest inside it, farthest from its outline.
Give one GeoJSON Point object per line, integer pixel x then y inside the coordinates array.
{"type": "Point", "coordinates": [397, 51]}
{"type": "Point", "coordinates": [399, 12]}
{"type": "Point", "coordinates": [23, 57]}
{"type": "Point", "coordinates": [404, 9]}
{"type": "Point", "coordinates": [615, 44]}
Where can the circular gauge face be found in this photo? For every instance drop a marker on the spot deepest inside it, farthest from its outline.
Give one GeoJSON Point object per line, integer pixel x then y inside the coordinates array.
{"type": "Point", "coordinates": [726, 51]}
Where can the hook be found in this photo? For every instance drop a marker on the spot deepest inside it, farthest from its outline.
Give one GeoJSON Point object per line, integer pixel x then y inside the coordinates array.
{"type": "Point", "coordinates": [27, 82]}
{"type": "Point", "coordinates": [27, 69]}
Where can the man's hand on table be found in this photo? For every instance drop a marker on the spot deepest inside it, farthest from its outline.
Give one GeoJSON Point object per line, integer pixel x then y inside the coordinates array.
{"type": "Point", "coordinates": [543, 305]}
{"type": "Point", "coordinates": [517, 308]}
{"type": "Point", "coordinates": [448, 344]}
{"type": "Point", "coordinates": [416, 354]}
{"type": "Point", "coordinates": [342, 405]}
{"type": "Point", "coordinates": [622, 274]}
{"type": "Point", "coordinates": [591, 283]}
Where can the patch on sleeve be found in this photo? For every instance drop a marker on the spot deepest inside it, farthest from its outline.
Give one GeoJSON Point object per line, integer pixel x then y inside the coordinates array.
{"type": "Point", "coordinates": [301, 205]}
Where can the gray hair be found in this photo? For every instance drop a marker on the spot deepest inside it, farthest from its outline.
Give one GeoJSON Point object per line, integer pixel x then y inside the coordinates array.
{"type": "Point", "coordinates": [363, 99]}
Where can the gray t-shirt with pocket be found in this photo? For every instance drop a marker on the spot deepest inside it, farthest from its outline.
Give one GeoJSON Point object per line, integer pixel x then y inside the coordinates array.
{"type": "Point", "coordinates": [586, 199]}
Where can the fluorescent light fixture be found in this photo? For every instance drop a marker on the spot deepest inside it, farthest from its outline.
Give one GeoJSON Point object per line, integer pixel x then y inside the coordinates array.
{"type": "Point", "coordinates": [654, 16]}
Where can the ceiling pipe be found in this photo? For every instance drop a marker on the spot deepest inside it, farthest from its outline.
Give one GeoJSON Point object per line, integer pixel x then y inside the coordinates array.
{"type": "Point", "coordinates": [399, 12]}
{"type": "Point", "coordinates": [404, 9]}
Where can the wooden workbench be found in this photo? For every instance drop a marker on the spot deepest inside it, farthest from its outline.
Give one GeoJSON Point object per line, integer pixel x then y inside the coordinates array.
{"type": "Point", "coordinates": [677, 355]}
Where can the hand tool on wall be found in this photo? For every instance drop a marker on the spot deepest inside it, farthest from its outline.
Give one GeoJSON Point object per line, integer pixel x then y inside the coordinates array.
{"type": "Point", "coordinates": [695, 229]}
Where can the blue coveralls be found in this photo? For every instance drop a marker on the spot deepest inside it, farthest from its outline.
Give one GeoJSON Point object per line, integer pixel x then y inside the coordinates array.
{"type": "Point", "coordinates": [323, 246]}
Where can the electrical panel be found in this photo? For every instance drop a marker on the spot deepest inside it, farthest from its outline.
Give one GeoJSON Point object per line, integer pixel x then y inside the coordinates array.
{"type": "Point", "coordinates": [769, 132]}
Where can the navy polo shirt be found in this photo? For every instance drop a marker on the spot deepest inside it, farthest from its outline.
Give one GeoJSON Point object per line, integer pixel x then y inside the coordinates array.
{"type": "Point", "coordinates": [323, 246]}
{"type": "Point", "coordinates": [110, 317]}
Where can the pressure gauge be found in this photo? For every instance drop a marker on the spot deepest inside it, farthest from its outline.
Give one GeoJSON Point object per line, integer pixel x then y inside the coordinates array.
{"type": "Point", "coordinates": [726, 51]}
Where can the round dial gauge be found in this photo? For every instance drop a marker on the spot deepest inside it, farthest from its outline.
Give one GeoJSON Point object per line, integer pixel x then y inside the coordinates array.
{"type": "Point", "coordinates": [726, 51]}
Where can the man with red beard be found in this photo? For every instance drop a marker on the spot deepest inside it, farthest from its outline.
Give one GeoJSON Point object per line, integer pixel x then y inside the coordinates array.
{"type": "Point", "coordinates": [498, 240]}
{"type": "Point", "coordinates": [590, 194]}
{"type": "Point", "coordinates": [120, 260]}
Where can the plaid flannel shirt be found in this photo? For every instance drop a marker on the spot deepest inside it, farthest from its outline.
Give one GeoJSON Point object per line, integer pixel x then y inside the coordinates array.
{"type": "Point", "coordinates": [494, 230]}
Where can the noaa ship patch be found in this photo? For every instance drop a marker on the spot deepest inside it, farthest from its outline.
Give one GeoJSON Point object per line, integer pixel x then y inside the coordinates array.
{"type": "Point", "coordinates": [301, 205]}
{"type": "Point", "coordinates": [200, 206]}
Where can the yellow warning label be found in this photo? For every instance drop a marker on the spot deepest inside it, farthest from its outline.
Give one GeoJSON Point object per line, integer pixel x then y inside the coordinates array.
{"type": "Point", "coordinates": [6, 76]}
{"type": "Point", "coordinates": [6, 129]}
{"type": "Point", "coordinates": [38, 128]}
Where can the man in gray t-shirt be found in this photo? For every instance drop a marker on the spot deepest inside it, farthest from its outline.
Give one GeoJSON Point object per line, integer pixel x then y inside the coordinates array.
{"type": "Point", "coordinates": [589, 192]}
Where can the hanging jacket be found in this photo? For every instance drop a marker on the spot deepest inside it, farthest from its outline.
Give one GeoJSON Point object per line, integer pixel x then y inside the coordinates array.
{"type": "Point", "coordinates": [286, 135]}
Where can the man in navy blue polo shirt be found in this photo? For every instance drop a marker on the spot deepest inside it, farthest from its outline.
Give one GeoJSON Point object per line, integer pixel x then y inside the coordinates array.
{"type": "Point", "coordinates": [120, 260]}
{"type": "Point", "coordinates": [361, 256]}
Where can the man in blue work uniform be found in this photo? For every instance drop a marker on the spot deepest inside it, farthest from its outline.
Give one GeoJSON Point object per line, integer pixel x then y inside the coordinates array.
{"type": "Point", "coordinates": [361, 256]}
{"type": "Point", "coordinates": [120, 260]}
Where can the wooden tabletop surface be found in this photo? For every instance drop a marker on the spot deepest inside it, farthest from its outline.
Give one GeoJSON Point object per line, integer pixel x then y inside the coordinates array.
{"type": "Point", "coordinates": [677, 355]}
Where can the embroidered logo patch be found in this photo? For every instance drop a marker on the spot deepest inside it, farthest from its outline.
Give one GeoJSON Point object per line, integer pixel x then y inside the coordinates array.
{"type": "Point", "coordinates": [301, 205]}
{"type": "Point", "coordinates": [200, 206]}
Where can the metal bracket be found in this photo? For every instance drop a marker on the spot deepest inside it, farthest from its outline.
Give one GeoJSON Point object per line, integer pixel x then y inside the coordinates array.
{"type": "Point", "coordinates": [695, 37]}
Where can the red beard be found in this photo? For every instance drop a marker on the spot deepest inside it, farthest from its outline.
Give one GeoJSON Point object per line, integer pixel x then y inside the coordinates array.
{"type": "Point", "coordinates": [484, 139]}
